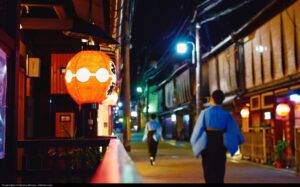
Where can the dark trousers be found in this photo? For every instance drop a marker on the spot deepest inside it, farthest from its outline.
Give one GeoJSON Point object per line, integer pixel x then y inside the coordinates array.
{"type": "Point", "coordinates": [214, 158]}
{"type": "Point", "coordinates": [152, 144]}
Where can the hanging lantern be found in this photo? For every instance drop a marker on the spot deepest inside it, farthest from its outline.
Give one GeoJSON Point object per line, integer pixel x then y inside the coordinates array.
{"type": "Point", "coordinates": [245, 112]}
{"type": "Point", "coordinates": [283, 110]}
{"type": "Point", "coordinates": [111, 100]}
{"type": "Point", "coordinates": [90, 77]}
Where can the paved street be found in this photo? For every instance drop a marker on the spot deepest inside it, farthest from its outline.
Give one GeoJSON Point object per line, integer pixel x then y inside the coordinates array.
{"type": "Point", "coordinates": [175, 163]}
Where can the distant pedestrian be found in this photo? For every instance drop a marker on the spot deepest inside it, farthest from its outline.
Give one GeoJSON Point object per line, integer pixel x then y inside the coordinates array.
{"type": "Point", "coordinates": [152, 134]}
{"type": "Point", "coordinates": [214, 133]}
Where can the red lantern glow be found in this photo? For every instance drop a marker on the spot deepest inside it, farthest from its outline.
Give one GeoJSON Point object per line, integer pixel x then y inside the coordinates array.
{"type": "Point", "coordinates": [245, 112]}
{"type": "Point", "coordinates": [90, 77]}
{"type": "Point", "coordinates": [283, 110]}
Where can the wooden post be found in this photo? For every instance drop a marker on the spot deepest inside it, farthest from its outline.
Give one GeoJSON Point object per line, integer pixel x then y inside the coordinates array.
{"type": "Point", "coordinates": [126, 131]}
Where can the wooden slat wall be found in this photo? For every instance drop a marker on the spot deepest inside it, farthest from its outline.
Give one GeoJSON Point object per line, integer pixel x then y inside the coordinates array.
{"type": "Point", "coordinates": [248, 65]}
{"type": "Point", "coordinates": [227, 70]}
{"type": "Point", "coordinates": [224, 71]}
{"type": "Point", "coordinates": [213, 75]}
{"type": "Point", "coordinates": [169, 95]}
{"type": "Point", "coordinates": [58, 61]}
{"type": "Point", "coordinates": [276, 47]}
{"type": "Point", "coordinates": [275, 35]}
{"type": "Point", "coordinates": [266, 54]}
{"type": "Point", "coordinates": [257, 58]}
{"type": "Point", "coordinates": [289, 41]}
{"type": "Point", "coordinates": [232, 68]}
{"type": "Point", "coordinates": [183, 89]}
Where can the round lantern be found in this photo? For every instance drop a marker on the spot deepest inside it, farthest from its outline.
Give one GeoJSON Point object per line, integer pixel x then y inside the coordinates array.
{"type": "Point", "coordinates": [90, 77]}
{"type": "Point", "coordinates": [245, 112]}
{"type": "Point", "coordinates": [283, 110]}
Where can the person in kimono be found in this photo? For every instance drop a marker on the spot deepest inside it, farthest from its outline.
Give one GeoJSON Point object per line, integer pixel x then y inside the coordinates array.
{"type": "Point", "coordinates": [215, 133]}
{"type": "Point", "coordinates": [152, 134]}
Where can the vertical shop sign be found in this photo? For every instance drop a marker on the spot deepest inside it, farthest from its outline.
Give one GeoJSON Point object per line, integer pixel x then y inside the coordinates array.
{"type": "Point", "coordinates": [3, 83]}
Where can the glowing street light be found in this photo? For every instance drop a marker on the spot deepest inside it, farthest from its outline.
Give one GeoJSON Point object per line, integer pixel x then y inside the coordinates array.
{"type": "Point", "coordinates": [139, 89]}
{"type": "Point", "coordinates": [182, 47]}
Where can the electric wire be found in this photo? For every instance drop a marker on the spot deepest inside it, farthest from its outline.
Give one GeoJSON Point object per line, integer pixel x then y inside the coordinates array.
{"type": "Point", "coordinates": [223, 13]}
{"type": "Point", "coordinates": [163, 61]}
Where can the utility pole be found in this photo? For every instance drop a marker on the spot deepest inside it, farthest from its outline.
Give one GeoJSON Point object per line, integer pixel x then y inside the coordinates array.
{"type": "Point", "coordinates": [199, 85]}
{"type": "Point", "coordinates": [147, 99]}
{"type": "Point", "coordinates": [126, 130]}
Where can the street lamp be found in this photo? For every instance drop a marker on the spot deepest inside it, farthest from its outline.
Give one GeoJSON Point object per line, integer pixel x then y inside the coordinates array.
{"type": "Point", "coordinates": [182, 49]}
{"type": "Point", "coordinates": [139, 89]}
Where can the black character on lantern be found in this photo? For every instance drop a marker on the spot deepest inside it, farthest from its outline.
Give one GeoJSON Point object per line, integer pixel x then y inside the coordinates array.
{"type": "Point", "coordinates": [111, 88]}
{"type": "Point", "coordinates": [113, 68]}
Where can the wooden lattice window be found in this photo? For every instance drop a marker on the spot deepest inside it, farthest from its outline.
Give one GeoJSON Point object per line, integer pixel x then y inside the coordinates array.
{"type": "Point", "coordinates": [255, 102]}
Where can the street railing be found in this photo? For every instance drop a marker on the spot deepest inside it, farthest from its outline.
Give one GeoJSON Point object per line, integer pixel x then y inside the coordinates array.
{"type": "Point", "coordinates": [116, 166]}
{"type": "Point", "coordinates": [60, 160]}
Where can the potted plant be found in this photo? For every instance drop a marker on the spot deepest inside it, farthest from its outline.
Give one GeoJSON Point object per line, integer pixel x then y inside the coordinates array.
{"type": "Point", "coordinates": [280, 148]}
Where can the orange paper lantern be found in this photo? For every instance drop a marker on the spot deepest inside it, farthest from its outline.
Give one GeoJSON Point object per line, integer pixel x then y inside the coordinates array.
{"type": "Point", "coordinates": [90, 77]}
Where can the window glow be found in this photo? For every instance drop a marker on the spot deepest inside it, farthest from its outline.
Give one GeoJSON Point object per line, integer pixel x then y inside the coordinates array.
{"type": "Point", "coordinates": [134, 114]}
{"type": "Point", "coordinates": [150, 109]}
{"type": "Point", "coordinates": [173, 118]}
{"type": "Point", "coordinates": [260, 49]}
{"type": "Point", "coordinates": [295, 98]}
{"type": "Point", "coordinates": [267, 116]}
{"type": "Point", "coordinates": [186, 118]}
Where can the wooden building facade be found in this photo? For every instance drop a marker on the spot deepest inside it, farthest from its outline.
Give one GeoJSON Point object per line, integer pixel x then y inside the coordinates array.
{"type": "Point", "coordinates": [259, 68]}
{"type": "Point", "coordinates": [34, 51]}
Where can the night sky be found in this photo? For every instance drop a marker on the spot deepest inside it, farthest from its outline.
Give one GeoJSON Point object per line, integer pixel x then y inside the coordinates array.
{"type": "Point", "coordinates": [157, 23]}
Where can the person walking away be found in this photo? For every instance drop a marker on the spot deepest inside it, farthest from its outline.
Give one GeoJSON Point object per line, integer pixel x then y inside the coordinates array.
{"type": "Point", "coordinates": [152, 134]}
{"type": "Point", "coordinates": [214, 133]}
